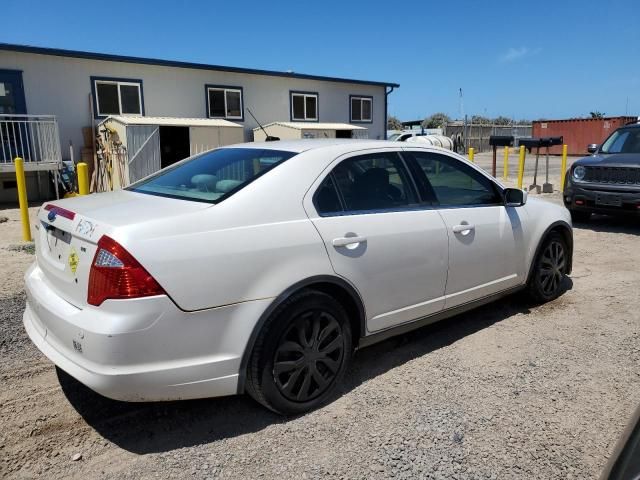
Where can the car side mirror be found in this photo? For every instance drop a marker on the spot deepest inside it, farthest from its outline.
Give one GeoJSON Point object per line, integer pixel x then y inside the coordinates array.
{"type": "Point", "coordinates": [514, 197]}
{"type": "Point", "coordinates": [592, 148]}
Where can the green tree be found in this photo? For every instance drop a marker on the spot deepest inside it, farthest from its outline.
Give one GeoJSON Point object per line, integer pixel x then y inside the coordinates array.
{"type": "Point", "coordinates": [596, 114]}
{"type": "Point", "coordinates": [437, 120]}
{"type": "Point", "coordinates": [502, 121]}
{"type": "Point", "coordinates": [480, 120]}
{"type": "Point", "coordinates": [393, 123]}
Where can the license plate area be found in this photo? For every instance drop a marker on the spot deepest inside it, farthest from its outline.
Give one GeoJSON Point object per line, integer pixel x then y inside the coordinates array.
{"type": "Point", "coordinates": [57, 244]}
{"type": "Point", "coordinates": [608, 200]}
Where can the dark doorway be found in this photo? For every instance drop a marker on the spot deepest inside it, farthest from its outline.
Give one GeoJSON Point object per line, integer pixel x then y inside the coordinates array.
{"type": "Point", "coordinates": [174, 145]}
{"type": "Point", "coordinates": [12, 93]}
{"type": "Point", "coordinates": [343, 133]}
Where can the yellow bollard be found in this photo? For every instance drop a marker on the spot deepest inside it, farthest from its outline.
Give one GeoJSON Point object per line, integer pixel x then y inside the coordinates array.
{"type": "Point", "coordinates": [505, 169]}
{"type": "Point", "coordinates": [563, 168]}
{"type": "Point", "coordinates": [82, 172]}
{"type": "Point", "coordinates": [521, 166]}
{"type": "Point", "coordinates": [471, 154]}
{"type": "Point", "coordinates": [22, 200]}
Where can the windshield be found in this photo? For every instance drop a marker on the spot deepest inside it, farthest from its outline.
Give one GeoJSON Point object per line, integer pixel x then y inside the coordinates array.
{"type": "Point", "coordinates": [624, 140]}
{"type": "Point", "coordinates": [212, 176]}
{"type": "Point", "coordinates": [393, 137]}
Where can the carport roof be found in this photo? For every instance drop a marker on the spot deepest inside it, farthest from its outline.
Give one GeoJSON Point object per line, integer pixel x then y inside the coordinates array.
{"type": "Point", "coordinates": [173, 121]}
{"type": "Point", "coordinates": [314, 126]}
{"type": "Point", "coordinates": [173, 63]}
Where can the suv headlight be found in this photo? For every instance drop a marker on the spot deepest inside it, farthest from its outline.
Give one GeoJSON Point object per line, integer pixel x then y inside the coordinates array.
{"type": "Point", "coordinates": [579, 172]}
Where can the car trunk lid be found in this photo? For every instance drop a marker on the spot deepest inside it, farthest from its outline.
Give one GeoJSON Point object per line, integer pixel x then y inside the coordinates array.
{"type": "Point", "coordinates": [68, 232]}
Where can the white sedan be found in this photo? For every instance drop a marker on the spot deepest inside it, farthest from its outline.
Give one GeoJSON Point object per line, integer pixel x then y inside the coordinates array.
{"type": "Point", "coordinates": [261, 268]}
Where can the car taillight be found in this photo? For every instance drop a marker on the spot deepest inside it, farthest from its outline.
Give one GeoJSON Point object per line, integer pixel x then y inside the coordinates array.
{"type": "Point", "coordinates": [116, 274]}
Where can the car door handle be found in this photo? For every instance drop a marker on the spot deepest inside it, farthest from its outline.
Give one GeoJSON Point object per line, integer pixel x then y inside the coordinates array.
{"type": "Point", "coordinates": [345, 241]}
{"type": "Point", "coordinates": [463, 228]}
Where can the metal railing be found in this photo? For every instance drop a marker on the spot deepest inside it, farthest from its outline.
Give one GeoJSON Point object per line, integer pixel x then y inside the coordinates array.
{"type": "Point", "coordinates": [34, 138]}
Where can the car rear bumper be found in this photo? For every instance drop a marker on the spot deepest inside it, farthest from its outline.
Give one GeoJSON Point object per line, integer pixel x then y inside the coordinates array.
{"type": "Point", "coordinates": [142, 349]}
{"type": "Point", "coordinates": [585, 199]}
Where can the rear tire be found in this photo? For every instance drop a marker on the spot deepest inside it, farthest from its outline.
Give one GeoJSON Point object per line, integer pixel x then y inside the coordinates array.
{"type": "Point", "coordinates": [580, 216]}
{"type": "Point", "coordinates": [301, 354]}
{"type": "Point", "coordinates": [549, 269]}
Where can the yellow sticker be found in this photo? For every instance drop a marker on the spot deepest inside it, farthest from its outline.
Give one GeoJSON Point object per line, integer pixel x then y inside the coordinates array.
{"type": "Point", "coordinates": [73, 260]}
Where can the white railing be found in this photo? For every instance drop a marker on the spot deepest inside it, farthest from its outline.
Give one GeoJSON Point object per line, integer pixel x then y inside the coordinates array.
{"type": "Point", "coordinates": [34, 138]}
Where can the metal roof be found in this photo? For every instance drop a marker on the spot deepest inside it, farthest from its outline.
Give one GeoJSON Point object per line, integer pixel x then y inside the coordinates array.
{"type": "Point", "coordinates": [173, 63]}
{"type": "Point", "coordinates": [172, 121]}
{"type": "Point", "coordinates": [314, 126]}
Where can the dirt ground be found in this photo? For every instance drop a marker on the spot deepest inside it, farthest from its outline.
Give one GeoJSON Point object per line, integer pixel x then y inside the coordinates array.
{"type": "Point", "coordinates": [505, 391]}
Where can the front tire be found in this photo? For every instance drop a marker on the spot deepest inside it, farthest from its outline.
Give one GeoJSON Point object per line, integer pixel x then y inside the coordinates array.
{"type": "Point", "coordinates": [549, 269]}
{"type": "Point", "coordinates": [301, 354]}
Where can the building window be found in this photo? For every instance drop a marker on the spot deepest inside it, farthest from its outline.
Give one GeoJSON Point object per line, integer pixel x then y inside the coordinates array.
{"type": "Point", "coordinates": [115, 96]}
{"type": "Point", "coordinates": [361, 108]}
{"type": "Point", "coordinates": [224, 102]}
{"type": "Point", "coordinates": [304, 106]}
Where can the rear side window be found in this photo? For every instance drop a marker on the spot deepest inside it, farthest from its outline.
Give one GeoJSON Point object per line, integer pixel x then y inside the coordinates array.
{"type": "Point", "coordinates": [366, 183]}
{"type": "Point", "coordinates": [454, 183]}
{"type": "Point", "coordinates": [212, 176]}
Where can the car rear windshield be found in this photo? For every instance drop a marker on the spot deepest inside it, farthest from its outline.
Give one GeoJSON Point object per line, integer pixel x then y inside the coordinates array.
{"type": "Point", "coordinates": [212, 176]}
{"type": "Point", "coordinates": [625, 140]}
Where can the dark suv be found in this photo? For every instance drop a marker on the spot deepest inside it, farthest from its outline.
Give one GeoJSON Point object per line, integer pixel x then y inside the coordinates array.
{"type": "Point", "coordinates": [609, 180]}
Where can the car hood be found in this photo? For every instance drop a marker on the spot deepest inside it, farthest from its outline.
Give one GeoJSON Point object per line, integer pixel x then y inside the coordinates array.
{"type": "Point", "coordinates": [613, 159]}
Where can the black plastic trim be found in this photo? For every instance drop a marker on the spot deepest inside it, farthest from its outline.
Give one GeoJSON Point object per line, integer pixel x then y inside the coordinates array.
{"type": "Point", "coordinates": [428, 320]}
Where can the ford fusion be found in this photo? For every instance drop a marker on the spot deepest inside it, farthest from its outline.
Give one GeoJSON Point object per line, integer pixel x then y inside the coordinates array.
{"type": "Point", "coordinates": [261, 268]}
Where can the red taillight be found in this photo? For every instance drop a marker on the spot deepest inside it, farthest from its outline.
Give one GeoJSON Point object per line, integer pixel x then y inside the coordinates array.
{"type": "Point", "coordinates": [116, 274]}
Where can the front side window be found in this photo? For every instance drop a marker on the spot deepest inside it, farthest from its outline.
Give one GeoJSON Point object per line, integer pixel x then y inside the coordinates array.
{"type": "Point", "coordinates": [118, 97]}
{"type": "Point", "coordinates": [366, 183]}
{"type": "Point", "coordinates": [625, 140]}
{"type": "Point", "coordinates": [304, 106]}
{"type": "Point", "coordinates": [361, 109]}
{"type": "Point", "coordinates": [212, 176]}
{"type": "Point", "coordinates": [455, 184]}
{"type": "Point", "coordinates": [225, 102]}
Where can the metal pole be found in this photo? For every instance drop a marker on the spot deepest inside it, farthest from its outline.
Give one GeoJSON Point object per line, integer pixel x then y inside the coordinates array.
{"type": "Point", "coordinates": [471, 151]}
{"type": "Point", "coordinates": [534, 185]}
{"type": "Point", "coordinates": [22, 199]}
{"type": "Point", "coordinates": [82, 170]}
{"type": "Point", "coordinates": [521, 165]}
{"type": "Point", "coordinates": [493, 165]}
{"type": "Point", "coordinates": [563, 167]}
{"type": "Point", "coordinates": [547, 187]}
{"type": "Point", "coordinates": [505, 169]}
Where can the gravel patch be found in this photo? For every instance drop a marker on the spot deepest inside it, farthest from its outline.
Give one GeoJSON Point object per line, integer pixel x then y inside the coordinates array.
{"type": "Point", "coordinates": [509, 390]}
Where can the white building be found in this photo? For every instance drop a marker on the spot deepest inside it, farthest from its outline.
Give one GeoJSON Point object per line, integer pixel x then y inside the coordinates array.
{"type": "Point", "coordinates": [82, 88]}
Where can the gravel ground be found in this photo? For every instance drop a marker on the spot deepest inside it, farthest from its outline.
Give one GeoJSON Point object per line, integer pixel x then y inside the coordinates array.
{"type": "Point", "coordinates": [505, 391]}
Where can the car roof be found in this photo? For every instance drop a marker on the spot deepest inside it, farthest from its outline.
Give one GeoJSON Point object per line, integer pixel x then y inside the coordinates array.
{"type": "Point", "coordinates": [303, 145]}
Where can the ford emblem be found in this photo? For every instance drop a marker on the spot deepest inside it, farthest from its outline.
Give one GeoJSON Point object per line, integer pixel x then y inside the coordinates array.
{"type": "Point", "coordinates": [52, 215]}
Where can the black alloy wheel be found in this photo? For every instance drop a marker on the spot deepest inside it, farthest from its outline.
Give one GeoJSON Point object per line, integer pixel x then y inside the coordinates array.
{"type": "Point", "coordinates": [309, 355]}
{"type": "Point", "coordinates": [300, 354]}
{"type": "Point", "coordinates": [549, 269]}
{"type": "Point", "coordinates": [552, 267]}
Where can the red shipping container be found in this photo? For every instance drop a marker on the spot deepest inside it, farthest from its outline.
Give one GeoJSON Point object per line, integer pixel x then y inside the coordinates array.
{"type": "Point", "coordinates": [578, 132]}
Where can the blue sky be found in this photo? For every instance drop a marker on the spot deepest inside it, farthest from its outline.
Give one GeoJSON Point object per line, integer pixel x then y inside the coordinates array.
{"type": "Point", "coordinates": [518, 59]}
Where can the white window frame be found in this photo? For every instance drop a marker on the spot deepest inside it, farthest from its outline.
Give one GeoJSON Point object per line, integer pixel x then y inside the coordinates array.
{"type": "Point", "coordinates": [117, 84]}
{"type": "Point", "coordinates": [226, 90]}
{"type": "Point", "coordinates": [304, 100]}
{"type": "Point", "coordinates": [361, 99]}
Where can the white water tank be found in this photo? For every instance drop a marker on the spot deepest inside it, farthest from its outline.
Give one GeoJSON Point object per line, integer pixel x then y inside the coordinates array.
{"type": "Point", "coordinates": [433, 140]}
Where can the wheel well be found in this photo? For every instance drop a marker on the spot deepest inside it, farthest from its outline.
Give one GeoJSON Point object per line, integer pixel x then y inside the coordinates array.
{"type": "Point", "coordinates": [354, 311]}
{"type": "Point", "coordinates": [567, 234]}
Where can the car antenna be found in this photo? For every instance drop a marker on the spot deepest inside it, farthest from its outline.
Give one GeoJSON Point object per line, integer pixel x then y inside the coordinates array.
{"type": "Point", "coordinates": [269, 137]}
